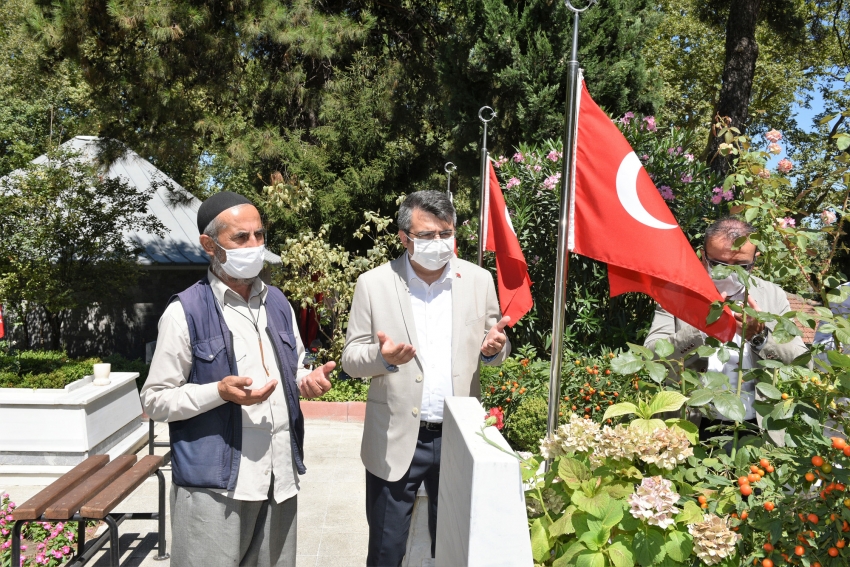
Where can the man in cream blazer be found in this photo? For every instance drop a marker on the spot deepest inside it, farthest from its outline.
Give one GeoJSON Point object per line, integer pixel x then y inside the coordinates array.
{"type": "Point", "coordinates": [419, 327]}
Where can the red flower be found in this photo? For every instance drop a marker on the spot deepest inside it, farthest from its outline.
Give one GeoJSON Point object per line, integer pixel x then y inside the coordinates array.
{"type": "Point", "coordinates": [495, 417]}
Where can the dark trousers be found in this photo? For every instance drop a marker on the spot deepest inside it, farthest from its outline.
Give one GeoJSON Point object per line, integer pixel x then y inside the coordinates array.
{"type": "Point", "coordinates": [389, 505]}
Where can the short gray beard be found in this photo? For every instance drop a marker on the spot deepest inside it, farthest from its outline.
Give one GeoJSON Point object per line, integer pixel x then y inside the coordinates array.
{"type": "Point", "coordinates": [218, 270]}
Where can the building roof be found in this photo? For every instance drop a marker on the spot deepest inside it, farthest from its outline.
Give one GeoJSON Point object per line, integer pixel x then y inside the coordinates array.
{"type": "Point", "coordinates": [173, 206]}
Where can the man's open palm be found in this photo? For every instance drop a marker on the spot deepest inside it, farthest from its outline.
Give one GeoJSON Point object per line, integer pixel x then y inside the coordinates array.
{"type": "Point", "coordinates": [395, 353]}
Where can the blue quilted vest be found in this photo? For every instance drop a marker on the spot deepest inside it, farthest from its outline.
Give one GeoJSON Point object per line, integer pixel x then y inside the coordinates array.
{"type": "Point", "coordinates": [205, 449]}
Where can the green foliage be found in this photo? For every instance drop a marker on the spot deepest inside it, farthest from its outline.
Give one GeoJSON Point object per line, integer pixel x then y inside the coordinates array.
{"type": "Point", "coordinates": [526, 425]}
{"type": "Point", "coordinates": [61, 242]}
{"type": "Point", "coordinates": [346, 390]}
{"type": "Point", "coordinates": [54, 369]}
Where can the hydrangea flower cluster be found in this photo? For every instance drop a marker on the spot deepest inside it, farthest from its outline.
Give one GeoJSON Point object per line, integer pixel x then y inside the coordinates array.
{"type": "Point", "coordinates": [713, 540]}
{"type": "Point", "coordinates": [655, 502]}
{"type": "Point", "coordinates": [578, 435]}
{"type": "Point", "coordinates": [666, 448]}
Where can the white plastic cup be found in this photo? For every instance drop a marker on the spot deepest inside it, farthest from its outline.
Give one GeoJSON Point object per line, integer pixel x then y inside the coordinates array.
{"type": "Point", "coordinates": [101, 374]}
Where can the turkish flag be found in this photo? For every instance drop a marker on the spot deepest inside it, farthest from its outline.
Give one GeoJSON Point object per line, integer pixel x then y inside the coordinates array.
{"type": "Point", "coordinates": [621, 219]}
{"type": "Point", "coordinates": [511, 268]}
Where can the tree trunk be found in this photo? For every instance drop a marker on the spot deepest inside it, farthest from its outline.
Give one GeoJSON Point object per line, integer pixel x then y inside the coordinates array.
{"type": "Point", "coordinates": [741, 54]}
{"type": "Point", "coordinates": [55, 323]}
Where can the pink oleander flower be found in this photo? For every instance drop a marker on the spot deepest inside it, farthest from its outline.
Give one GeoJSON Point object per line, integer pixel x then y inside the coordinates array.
{"type": "Point", "coordinates": [785, 166]}
{"type": "Point", "coordinates": [773, 136]}
{"type": "Point", "coordinates": [828, 217]}
{"type": "Point", "coordinates": [689, 157]}
{"type": "Point", "coordinates": [500, 162]}
{"type": "Point", "coordinates": [716, 199]}
{"type": "Point", "coordinates": [786, 222]}
{"type": "Point", "coordinates": [720, 194]}
{"type": "Point", "coordinates": [512, 182]}
{"type": "Point", "coordinates": [627, 117]}
{"type": "Point", "coordinates": [552, 181]}
{"type": "Point", "coordinates": [666, 193]}
{"type": "Point", "coordinates": [764, 174]}
{"type": "Point", "coordinates": [495, 417]}
{"type": "Point", "coordinates": [650, 123]}
{"type": "Point", "coordinates": [686, 178]}
{"type": "Point", "coordinates": [655, 502]}
{"type": "Point", "coordinates": [774, 148]}
{"type": "Point", "coordinates": [644, 157]}
{"type": "Point", "coordinates": [554, 155]}
{"type": "Point", "coordinates": [537, 168]}
{"type": "Point", "coordinates": [518, 157]}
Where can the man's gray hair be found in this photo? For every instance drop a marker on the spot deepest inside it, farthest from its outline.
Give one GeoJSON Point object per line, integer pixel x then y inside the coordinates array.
{"type": "Point", "coordinates": [435, 202]}
{"type": "Point", "coordinates": [729, 229]}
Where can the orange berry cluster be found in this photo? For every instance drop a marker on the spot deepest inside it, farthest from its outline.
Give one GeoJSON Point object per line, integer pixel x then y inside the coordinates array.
{"type": "Point", "coordinates": [756, 473]}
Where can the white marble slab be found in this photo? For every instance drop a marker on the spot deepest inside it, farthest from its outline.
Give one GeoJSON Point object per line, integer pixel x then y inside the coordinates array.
{"type": "Point", "coordinates": [61, 427]}
{"type": "Point", "coordinates": [482, 519]}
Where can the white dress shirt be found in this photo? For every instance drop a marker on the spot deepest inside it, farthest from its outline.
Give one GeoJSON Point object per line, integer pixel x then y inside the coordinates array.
{"type": "Point", "coordinates": [266, 445]}
{"type": "Point", "coordinates": [432, 314]}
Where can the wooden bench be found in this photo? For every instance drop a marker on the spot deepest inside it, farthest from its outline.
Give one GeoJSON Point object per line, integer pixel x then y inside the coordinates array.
{"type": "Point", "coordinates": [91, 491]}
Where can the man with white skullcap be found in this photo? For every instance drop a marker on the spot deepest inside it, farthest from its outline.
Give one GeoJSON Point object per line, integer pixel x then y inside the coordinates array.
{"type": "Point", "coordinates": [226, 376]}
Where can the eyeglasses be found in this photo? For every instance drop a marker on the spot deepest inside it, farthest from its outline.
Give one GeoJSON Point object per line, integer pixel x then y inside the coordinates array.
{"type": "Point", "coordinates": [714, 263]}
{"type": "Point", "coordinates": [431, 235]}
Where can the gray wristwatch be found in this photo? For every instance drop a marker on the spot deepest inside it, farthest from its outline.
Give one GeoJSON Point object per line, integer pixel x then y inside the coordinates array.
{"type": "Point", "coordinates": [760, 339]}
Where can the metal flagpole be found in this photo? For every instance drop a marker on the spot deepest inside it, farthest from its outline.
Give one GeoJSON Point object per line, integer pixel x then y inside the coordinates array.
{"type": "Point", "coordinates": [562, 266]}
{"type": "Point", "coordinates": [449, 168]}
{"type": "Point", "coordinates": [485, 177]}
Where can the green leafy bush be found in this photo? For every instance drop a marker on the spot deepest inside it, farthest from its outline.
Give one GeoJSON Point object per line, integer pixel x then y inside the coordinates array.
{"type": "Point", "coordinates": [346, 390]}
{"type": "Point", "coordinates": [54, 369]}
{"type": "Point", "coordinates": [527, 424]}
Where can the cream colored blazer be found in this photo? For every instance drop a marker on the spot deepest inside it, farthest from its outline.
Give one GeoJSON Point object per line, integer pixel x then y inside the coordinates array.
{"type": "Point", "coordinates": [382, 303]}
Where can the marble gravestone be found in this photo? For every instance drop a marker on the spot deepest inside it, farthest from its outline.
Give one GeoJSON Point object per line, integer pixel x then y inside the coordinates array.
{"type": "Point", "coordinates": [482, 518]}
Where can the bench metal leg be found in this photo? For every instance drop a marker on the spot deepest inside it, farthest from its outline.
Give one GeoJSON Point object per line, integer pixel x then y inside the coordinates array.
{"type": "Point", "coordinates": [161, 550]}
{"type": "Point", "coordinates": [81, 537]}
{"type": "Point", "coordinates": [114, 552]}
{"type": "Point", "coordinates": [16, 543]}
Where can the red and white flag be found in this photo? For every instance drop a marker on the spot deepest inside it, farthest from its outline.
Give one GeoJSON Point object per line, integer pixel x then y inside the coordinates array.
{"type": "Point", "coordinates": [618, 217]}
{"type": "Point", "coordinates": [500, 237]}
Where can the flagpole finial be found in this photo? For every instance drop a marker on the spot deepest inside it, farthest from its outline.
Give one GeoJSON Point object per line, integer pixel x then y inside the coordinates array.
{"type": "Point", "coordinates": [449, 167]}
{"type": "Point", "coordinates": [579, 10]}
{"type": "Point", "coordinates": [481, 114]}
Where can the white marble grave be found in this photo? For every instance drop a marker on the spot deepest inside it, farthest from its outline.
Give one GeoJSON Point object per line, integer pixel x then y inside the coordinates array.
{"type": "Point", "coordinates": [482, 518]}
{"type": "Point", "coordinates": [46, 432]}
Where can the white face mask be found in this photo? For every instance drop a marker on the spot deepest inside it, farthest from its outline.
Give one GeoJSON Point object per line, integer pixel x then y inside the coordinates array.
{"type": "Point", "coordinates": [433, 254]}
{"type": "Point", "coordinates": [243, 263]}
{"type": "Point", "coordinates": [733, 288]}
